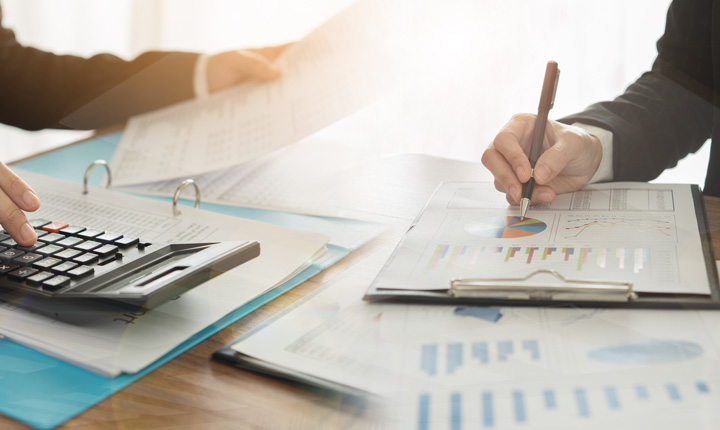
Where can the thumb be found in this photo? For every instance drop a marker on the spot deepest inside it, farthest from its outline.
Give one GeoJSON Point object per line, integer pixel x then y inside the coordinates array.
{"type": "Point", "coordinates": [553, 161]}
{"type": "Point", "coordinates": [252, 65]}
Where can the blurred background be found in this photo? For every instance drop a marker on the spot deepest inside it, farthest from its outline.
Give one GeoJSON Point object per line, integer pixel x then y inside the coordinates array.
{"type": "Point", "coordinates": [467, 67]}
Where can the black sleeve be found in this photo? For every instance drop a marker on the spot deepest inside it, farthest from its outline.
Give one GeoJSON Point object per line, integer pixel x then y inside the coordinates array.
{"type": "Point", "coordinates": [667, 112]}
{"type": "Point", "coordinates": [43, 90]}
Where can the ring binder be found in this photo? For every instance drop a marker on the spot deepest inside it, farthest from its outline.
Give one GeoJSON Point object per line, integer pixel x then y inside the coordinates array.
{"type": "Point", "coordinates": [176, 196]}
{"type": "Point", "coordinates": [524, 289]}
{"type": "Point", "coordinates": [89, 169]}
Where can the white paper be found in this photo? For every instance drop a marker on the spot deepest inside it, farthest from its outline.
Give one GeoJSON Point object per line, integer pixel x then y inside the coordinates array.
{"type": "Point", "coordinates": [446, 367]}
{"type": "Point", "coordinates": [340, 67]}
{"type": "Point", "coordinates": [646, 234]}
{"type": "Point", "coordinates": [129, 342]}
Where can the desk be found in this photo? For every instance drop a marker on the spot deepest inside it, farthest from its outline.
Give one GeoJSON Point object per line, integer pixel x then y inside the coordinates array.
{"type": "Point", "coordinates": [194, 392]}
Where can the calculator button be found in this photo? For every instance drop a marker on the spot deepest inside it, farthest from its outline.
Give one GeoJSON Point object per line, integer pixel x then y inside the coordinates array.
{"type": "Point", "coordinates": [52, 238]}
{"type": "Point", "coordinates": [40, 233]}
{"type": "Point", "coordinates": [4, 237]}
{"type": "Point", "coordinates": [9, 242]}
{"type": "Point", "coordinates": [55, 283]}
{"type": "Point", "coordinates": [90, 234]}
{"type": "Point", "coordinates": [73, 229]}
{"type": "Point", "coordinates": [67, 254]}
{"type": "Point", "coordinates": [37, 223]}
{"type": "Point", "coordinates": [125, 241]}
{"type": "Point", "coordinates": [55, 227]}
{"type": "Point", "coordinates": [37, 278]}
{"type": "Point", "coordinates": [69, 241]}
{"type": "Point", "coordinates": [22, 273]}
{"type": "Point", "coordinates": [47, 263]}
{"type": "Point", "coordinates": [6, 267]}
{"type": "Point", "coordinates": [106, 250]}
{"type": "Point", "coordinates": [47, 250]}
{"type": "Point", "coordinates": [87, 258]}
{"type": "Point", "coordinates": [10, 254]}
{"type": "Point", "coordinates": [62, 268]}
{"type": "Point", "coordinates": [80, 271]}
{"type": "Point", "coordinates": [88, 245]}
{"type": "Point", "coordinates": [33, 247]}
{"type": "Point", "coordinates": [27, 259]}
{"type": "Point", "coordinates": [109, 237]}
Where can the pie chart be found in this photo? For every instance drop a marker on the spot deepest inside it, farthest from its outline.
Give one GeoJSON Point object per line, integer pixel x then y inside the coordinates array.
{"type": "Point", "coordinates": [506, 227]}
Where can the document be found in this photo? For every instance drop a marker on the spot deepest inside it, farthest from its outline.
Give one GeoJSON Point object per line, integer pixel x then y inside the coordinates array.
{"type": "Point", "coordinates": [343, 65]}
{"type": "Point", "coordinates": [646, 234]}
{"type": "Point", "coordinates": [452, 367]}
{"type": "Point", "coordinates": [128, 342]}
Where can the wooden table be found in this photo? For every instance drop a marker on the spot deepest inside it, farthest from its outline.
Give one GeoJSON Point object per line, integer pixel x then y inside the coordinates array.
{"type": "Point", "coordinates": [193, 391]}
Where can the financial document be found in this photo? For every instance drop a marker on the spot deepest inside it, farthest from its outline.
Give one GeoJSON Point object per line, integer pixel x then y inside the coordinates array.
{"type": "Point", "coordinates": [128, 342]}
{"type": "Point", "coordinates": [462, 367]}
{"type": "Point", "coordinates": [642, 233]}
{"type": "Point", "coordinates": [342, 66]}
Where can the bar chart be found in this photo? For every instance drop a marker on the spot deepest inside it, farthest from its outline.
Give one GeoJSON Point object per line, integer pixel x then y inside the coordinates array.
{"type": "Point", "coordinates": [447, 359]}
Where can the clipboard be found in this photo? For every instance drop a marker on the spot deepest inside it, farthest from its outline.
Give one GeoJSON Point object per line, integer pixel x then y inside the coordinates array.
{"type": "Point", "coordinates": [548, 287]}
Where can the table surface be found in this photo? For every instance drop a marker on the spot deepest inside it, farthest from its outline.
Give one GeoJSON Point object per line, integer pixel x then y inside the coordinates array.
{"type": "Point", "coordinates": [193, 391]}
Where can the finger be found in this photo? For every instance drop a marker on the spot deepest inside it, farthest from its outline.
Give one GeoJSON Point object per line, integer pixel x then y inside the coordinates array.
{"type": "Point", "coordinates": [255, 66]}
{"type": "Point", "coordinates": [272, 52]}
{"type": "Point", "coordinates": [19, 192]}
{"type": "Point", "coordinates": [15, 223]}
{"type": "Point", "coordinates": [512, 140]}
{"type": "Point", "coordinates": [554, 160]}
{"type": "Point", "coordinates": [542, 194]}
{"type": "Point", "coordinates": [503, 173]}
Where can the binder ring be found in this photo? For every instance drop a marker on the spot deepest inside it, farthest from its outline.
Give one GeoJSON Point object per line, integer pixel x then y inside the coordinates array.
{"type": "Point", "coordinates": [89, 169]}
{"type": "Point", "coordinates": [184, 184]}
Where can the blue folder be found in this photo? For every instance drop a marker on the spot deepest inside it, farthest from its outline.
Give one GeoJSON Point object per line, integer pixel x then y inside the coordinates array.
{"type": "Point", "coordinates": [43, 391]}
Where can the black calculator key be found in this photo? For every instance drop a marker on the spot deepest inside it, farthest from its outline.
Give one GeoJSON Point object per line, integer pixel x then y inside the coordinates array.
{"type": "Point", "coordinates": [9, 242]}
{"type": "Point", "coordinates": [90, 234]}
{"type": "Point", "coordinates": [126, 241]}
{"type": "Point", "coordinates": [73, 229]}
{"type": "Point", "coordinates": [37, 278]}
{"type": "Point", "coordinates": [27, 259]}
{"type": "Point", "coordinates": [108, 237]}
{"type": "Point", "coordinates": [69, 241]}
{"type": "Point", "coordinates": [10, 254]}
{"type": "Point", "coordinates": [88, 245]}
{"type": "Point", "coordinates": [62, 268]}
{"type": "Point", "coordinates": [87, 258]}
{"type": "Point", "coordinates": [49, 249]}
{"type": "Point", "coordinates": [67, 254]}
{"type": "Point", "coordinates": [37, 223]}
{"type": "Point", "coordinates": [47, 263]}
{"type": "Point", "coordinates": [80, 271]}
{"type": "Point", "coordinates": [106, 250]}
{"type": "Point", "coordinates": [52, 237]}
{"type": "Point", "coordinates": [55, 283]}
{"type": "Point", "coordinates": [4, 236]}
{"type": "Point", "coordinates": [6, 267]}
{"type": "Point", "coordinates": [31, 248]}
{"type": "Point", "coordinates": [21, 273]}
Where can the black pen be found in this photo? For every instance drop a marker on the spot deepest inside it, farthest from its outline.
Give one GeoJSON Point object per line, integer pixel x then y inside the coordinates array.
{"type": "Point", "coordinates": [547, 100]}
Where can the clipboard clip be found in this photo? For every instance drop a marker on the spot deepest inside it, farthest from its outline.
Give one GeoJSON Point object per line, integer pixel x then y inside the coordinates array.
{"type": "Point", "coordinates": [553, 287]}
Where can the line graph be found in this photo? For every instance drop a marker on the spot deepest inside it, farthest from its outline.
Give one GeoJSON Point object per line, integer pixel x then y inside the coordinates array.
{"type": "Point", "coordinates": [626, 227]}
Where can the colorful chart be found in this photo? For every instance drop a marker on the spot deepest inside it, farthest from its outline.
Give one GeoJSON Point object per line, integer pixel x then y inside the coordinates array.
{"type": "Point", "coordinates": [506, 227]}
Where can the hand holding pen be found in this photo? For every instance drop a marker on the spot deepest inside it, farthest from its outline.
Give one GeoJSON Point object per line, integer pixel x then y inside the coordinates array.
{"type": "Point", "coordinates": [568, 157]}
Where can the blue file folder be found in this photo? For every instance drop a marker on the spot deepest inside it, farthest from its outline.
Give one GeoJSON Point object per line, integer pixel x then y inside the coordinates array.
{"type": "Point", "coordinates": [45, 392]}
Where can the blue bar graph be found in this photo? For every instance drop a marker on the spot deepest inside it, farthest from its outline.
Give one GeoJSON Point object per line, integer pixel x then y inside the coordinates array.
{"type": "Point", "coordinates": [532, 346]}
{"type": "Point", "coordinates": [480, 351]}
{"type": "Point", "coordinates": [582, 402]}
{"type": "Point", "coordinates": [505, 348]}
{"type": "Point", "coordinates": [428, 360]}
{"type": "Point", "coordinates": [487, 409]}
{"type": "Point", "coordinates": [673, 392]}
{"type": "Point", "coordinates": [550, 402]}
{"type": "Point", "coordinates": [454, 357]}
{"type": "Point", "coordinates": [519, 406]}
{"type": "Point", "coordinates": [455, 411]}
{"type": "Point", "coordinates": [642, 392]}
{"type": "Point", "coordinates": [702, 387]}
{"type": "Point", "coordinates": [424, 412]}
{"type": "Point", "coordinates": [612, 398]}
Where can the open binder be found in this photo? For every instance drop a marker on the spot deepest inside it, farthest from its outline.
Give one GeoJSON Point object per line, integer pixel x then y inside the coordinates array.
{"type": "Point", "coordinates": [421, 269]}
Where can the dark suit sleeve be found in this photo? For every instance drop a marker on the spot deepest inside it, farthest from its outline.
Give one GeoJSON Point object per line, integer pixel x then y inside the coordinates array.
{"type": "Point", "coordinates": [667, 112]}
{"type": "Point", "coordinates": [43, 90]}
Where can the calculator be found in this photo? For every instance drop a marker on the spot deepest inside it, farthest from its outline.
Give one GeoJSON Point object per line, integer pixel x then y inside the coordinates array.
{"type": "Point", "coordinates": [76, 273]}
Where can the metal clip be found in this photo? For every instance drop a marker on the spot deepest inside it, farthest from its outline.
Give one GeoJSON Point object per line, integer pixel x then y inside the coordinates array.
{"type": "Point", "coordinates": [184, 184]}
{"type": "Point", "coordinates": [89, 169]}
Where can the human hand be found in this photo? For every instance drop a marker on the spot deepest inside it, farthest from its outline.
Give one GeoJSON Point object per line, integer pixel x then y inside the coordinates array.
{"type": "Point", "coordinates": [570, 157]}
{"type": "Point", "coordinates": [231, 68]}
{"type": "Point", "coordinates": [16, 196]}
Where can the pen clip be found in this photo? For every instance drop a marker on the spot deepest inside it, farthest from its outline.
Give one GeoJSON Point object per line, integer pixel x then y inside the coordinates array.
{"type": "Point", "coordinates": [557, 78]}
